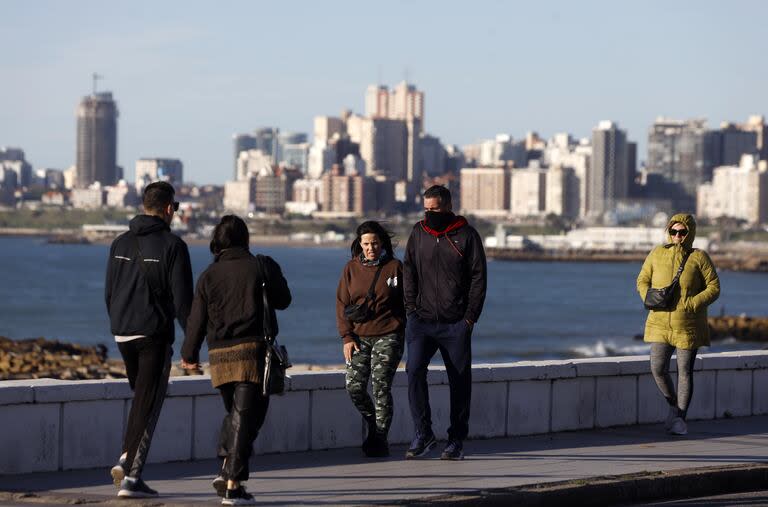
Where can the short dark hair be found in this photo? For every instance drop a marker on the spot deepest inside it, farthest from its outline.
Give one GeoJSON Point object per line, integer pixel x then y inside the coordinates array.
{"type": "Point", "coordinates": [440, 192]}
{"type": "Point", "coordinates": [372, 227]}
{"type": "Point", "coordinates": [230, 232]}
{"type": "Point", "coordinates": [157, 196]}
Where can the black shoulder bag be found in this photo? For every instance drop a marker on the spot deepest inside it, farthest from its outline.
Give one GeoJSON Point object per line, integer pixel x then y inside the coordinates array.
{"type": "Point", "coordinates": [276, 356]}
{"type": "Point", "coordinates": [661, 299]}
{"type": "Point", "coordinates": [364, 311]}
{"type": "Point", "coordinates": [155, 293]}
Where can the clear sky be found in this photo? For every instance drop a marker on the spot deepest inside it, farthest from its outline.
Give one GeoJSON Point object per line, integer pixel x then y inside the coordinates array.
{"type": "Point", "coordinates": [188, 74]}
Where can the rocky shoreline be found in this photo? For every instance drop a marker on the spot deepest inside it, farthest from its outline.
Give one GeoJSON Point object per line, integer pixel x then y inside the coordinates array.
{"type": "Point", "coordinates": [755, 263]}
{"type": "Point", "coordinates": [42, 358]}
{"type": "Point", "coordinates": [34, 358]}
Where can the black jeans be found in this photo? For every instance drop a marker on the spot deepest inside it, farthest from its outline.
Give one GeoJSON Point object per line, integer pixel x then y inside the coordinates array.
{"type": "Point", "coordinates": [148, 365]}
{"type": "Point", "coordinates": [454, 343]}
{"type": "Point", "coordinates": [246, 410]}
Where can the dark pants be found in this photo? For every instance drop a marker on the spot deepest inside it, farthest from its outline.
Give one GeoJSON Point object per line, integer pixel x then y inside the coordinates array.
{"type": "Point", "coordinates": [147, 364]}
{"type": "Point", "coordinates": [453, 342]}
{"type": "Point", "coordinates": [246, 410]}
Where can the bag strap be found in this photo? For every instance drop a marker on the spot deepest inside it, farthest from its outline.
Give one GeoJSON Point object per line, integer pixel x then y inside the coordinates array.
{"type": "Point", "coordinates": [267, 316]}
{"type": "Point", "coordinates": [682, 265]}
{"type": "Point", "coordinates": [372, 290]}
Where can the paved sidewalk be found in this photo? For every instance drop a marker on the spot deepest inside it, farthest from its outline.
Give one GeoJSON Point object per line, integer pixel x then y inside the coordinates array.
{"type": "Point", "coordinates": [344, 477]}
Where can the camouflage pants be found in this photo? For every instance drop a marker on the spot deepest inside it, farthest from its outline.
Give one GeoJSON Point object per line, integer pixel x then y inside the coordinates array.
{"type": "Point", "coordinates": [377, 359]}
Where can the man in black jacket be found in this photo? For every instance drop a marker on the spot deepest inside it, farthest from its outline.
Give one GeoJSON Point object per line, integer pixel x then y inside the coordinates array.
{"type": "Point", "coordinates": [148, 284]}
{"type": "Point", "coordinates": [444, 275]}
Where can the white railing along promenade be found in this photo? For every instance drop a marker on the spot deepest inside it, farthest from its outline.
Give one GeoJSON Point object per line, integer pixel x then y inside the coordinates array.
{"type": "Point", "coordinates": [50, 425]}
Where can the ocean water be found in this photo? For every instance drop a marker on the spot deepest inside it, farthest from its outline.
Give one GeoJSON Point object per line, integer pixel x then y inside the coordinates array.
{"type": "Point", "coordinates": [533, 310]}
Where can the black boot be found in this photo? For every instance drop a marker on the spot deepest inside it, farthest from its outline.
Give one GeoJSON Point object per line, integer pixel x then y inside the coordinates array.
{"type": "Point", "coordinates": [370, 437]}
{"type": "Point", "coordinates": [379, 447]}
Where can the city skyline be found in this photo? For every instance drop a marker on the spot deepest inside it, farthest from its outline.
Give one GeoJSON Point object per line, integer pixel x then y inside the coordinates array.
{"type": "Point", "coordinates": [178, 77]}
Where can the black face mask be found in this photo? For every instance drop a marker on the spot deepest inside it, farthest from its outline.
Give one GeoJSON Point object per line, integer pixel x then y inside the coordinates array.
{"type": "Point", "coordinates": [438, 220]}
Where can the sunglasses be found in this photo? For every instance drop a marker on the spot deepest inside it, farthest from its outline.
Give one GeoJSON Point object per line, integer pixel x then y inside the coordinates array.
{"type": "Point", "coordinates": [678, 232]}
{"type": "Point", "coordinates": [175, 205]}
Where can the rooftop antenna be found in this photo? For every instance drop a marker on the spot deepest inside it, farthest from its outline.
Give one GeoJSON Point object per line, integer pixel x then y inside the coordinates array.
{"type": "Point", "coordinates": [378, 74]}
{"type": "Point", "coordinates": [96, 78]}
{"type": "Point", "coordinates": [405, 73]}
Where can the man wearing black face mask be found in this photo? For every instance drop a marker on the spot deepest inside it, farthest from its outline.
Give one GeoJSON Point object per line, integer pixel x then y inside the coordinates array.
{"type": "Point", "coordinates": [444, 276]}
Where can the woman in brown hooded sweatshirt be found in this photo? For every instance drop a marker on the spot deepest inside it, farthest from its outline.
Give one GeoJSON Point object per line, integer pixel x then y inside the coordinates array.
{"type": "Point", "coordinates": [372, 346]}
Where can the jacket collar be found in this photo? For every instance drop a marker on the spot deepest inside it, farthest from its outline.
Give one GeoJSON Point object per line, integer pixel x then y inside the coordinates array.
{"type": "Point", "coordinates": [232, 254]}
{"type": "Point", "coordinates": [458, 223]}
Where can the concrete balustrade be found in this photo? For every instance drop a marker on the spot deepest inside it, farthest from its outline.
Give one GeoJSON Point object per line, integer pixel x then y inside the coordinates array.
{"type": "Point", "coordinates": [59, 425]}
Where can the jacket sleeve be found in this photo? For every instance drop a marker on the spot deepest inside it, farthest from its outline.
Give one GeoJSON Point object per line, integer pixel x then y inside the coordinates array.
{"type": "Point", "coordinates": [644, 278]}
{"type": "Point", "coordinates": [399, 309]}
{"type": "Point", "coordinates": [478, 277]}
{"type": "Point", "coordinates": [410, 274]}
{"type": "Point", "coordinates": [277, 287]}
{"type": "Point", "coordinates": [197, 324]}
{"type": "Point", "coordinates": [108, 279]}
{"type": "Point", "coordinates": [712, 284]}
{"type": "Point", "coordinates": [181, 282]}
{"type": "Point", "coordinates": [345, 327]}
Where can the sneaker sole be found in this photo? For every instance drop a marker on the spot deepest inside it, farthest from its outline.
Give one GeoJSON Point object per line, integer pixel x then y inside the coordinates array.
{"type": "Point", "coordinates": [118, 474]}
{"type": "Point", "coordinates": [447, 457]}
{"type": "Point", "coordinates": [429, 447]}
{"type": "Point", "coordinates": [237, 501]}
{"type": "Point", "coordinates": [126, 493]}
{"type": "Point", "coordinates": [220, 486]}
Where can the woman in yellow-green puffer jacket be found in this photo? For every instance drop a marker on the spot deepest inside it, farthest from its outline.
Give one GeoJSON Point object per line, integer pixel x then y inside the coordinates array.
{"type": "Point", "coordinates": [683, 327]}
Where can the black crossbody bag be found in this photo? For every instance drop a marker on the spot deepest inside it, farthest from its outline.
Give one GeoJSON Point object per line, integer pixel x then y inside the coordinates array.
{"type": "Point", "coordinates": [661, 299]}
{"type": "Point", "coordinates": [276, 356]}
{"type": "Point", "coordinates": [364, 311]}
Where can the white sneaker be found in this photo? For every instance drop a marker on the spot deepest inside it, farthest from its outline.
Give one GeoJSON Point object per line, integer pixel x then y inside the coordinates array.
{"type": "Point", "coordinates": [678, 427]}
{"type": "Point", "coordinates": [670, 417]}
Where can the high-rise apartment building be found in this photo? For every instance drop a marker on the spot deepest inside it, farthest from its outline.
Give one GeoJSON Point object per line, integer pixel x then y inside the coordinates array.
{"type": "Point", "coordinates": [251, 162]}
{"type": "Point", "coordinates": [433, 156]}
{"type": "Point", "coordinates": [240, 195]}
{"type": "Point", "coordinates": [528, 192]}
{"type": "Point", "coordinates": [326, 127]}
{"type": "Point", "coordinates": [347, 195]}
{"type": "Point", "coordinates": [681, 151]}
{"type": "Point", "coordinates": [320, 159]}
{"type": "Point", "coordinates": [377, 101]}
{"type": "Point", "coordinates": [485, 191]}
{"type": "Point", "coordinates": [608, 175]}
{"type": "Point", "coordinates": [403, 102]}
{"type": "Point", "coordinates": [242, 142]}
{"type": "Point", "coordinates": [563, 192]}
{"type": "Point", "coordinates": [295, 155]}
{"type": "Point", "coordinates": [96, 140]}
{"type": "Point", "coordinates": [13, 160]}
{"type": "Point", "coordinates": [737, 191]}
{"type": "Point", "coordinates": [384, 147]}
{"type": "Point", "coordinates": [757, 124]}
{"type": "Point", "coordinates": [502, 151]}
{"type": "Point", "coordinates": [285, 139]}
{"type": "Point", "coordinates": [265, 139]}
{"type": "Point", "coordinates": [149, 170]}
{"type": "Point", "coordinates": [735, 142]}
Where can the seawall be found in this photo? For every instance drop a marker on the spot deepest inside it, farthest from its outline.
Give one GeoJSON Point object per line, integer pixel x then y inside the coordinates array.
{"type": "Point", "coordinates": [50, 425]}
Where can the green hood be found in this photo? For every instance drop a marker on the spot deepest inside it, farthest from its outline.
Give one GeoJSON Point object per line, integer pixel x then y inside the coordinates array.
{"type": "Point", "coordinates": [690, 224]}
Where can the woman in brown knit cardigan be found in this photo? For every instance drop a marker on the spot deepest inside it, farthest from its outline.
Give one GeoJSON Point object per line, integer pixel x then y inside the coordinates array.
{"type": "Point", "coordinates": [228, 309]}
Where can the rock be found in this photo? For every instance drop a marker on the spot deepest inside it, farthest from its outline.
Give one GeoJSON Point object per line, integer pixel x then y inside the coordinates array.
{"type": "Point", "coordinates": [742, 328]}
